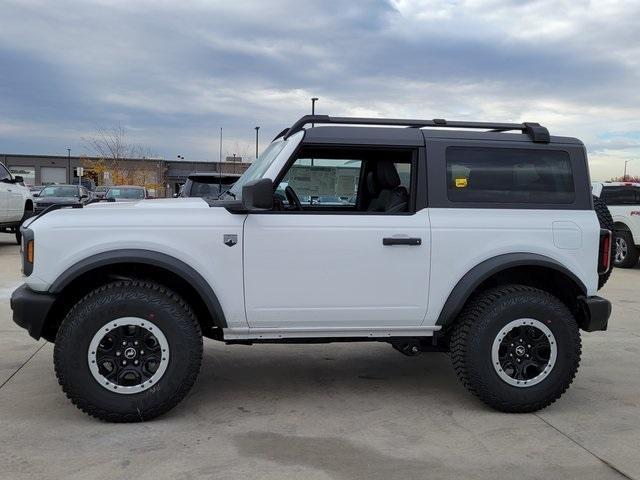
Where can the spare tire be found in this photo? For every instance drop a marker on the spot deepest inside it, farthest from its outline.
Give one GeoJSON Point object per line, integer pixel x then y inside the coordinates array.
{"type": "Point", "coordinates": [606, 221]}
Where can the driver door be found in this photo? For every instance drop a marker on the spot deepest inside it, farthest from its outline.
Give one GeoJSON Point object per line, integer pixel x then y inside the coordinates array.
{"type": "Point", "coordinates": [327, 265]}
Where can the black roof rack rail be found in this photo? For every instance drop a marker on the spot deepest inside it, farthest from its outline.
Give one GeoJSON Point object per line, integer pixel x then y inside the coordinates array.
{"type": "Point", "coordinates": [538, 133]}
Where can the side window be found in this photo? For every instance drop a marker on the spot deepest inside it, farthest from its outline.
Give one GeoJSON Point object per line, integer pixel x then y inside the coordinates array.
{"type": "Point", "coordinates": [620, 195]}
{"type": "Point", "coordinates": [323, 181]}
{"type": "Point", "coordinates": [4, 173]}
{"type": "Point", "coordinates": [349, 180]}
{"type": "Point", "coordinates": [504, 175]}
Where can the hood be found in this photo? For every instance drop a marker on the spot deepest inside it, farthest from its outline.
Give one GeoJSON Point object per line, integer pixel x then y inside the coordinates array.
{"type": "Point", "coordinates": [52, 200]}
{"type": "Point", "coordinates": [173, 211]}
{"type": "Point", "coordinates": [162, 203]}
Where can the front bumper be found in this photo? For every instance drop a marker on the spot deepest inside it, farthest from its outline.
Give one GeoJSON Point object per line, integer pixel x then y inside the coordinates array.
{"type": "Point", "coordinates": [31, 309]}
{"type": "Point", "coordinates": [596, 312]}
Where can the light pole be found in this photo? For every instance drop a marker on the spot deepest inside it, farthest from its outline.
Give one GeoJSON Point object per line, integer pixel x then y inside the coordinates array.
{"type": "Point", "coordinates": [220, 166]}
{"type": "Point", "coordinates": [257, 128]}
{"type": "Point", "coordinates": [313, 107]}
{"type": "Point", "coordinates": [313, 112]}
{"type": "Point", "coordinates": [624, 177]}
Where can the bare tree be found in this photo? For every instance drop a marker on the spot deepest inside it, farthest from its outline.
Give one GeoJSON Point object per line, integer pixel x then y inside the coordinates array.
{"type": "Point", "coordinates": [111, 148]}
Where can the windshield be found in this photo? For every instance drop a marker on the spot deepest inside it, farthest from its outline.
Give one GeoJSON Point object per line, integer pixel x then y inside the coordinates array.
{"type": "Point", "coordinates": [131, 193]}
{"type": "Point", "coordinates": [258, 167]}
{"type": "Point", "coordinates": [205, 189]}
{"type": "Point", "coordinates": [58, 191]}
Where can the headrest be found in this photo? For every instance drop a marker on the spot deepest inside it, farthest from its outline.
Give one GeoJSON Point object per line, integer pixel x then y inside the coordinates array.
{"type": "Point", "coordinates": [386, 175]}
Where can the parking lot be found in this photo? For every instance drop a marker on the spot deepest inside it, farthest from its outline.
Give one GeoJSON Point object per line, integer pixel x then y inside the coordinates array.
{"type": "Point", "coordinates": [344, 411]}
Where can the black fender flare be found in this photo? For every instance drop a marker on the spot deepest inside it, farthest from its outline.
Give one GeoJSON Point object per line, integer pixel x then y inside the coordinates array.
{"type": "Point", "coordinates": [146, 257]}
{"type": "Point", "coordinates": [478, 274]}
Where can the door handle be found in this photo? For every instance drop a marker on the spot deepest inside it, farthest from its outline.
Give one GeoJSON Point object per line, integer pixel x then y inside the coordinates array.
{"type": "Point", "coordinates": [401, 241]}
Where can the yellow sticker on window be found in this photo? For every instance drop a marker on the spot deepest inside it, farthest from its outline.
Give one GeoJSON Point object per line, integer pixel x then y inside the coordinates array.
{"type": "Point", "coordinates": [461, 182]}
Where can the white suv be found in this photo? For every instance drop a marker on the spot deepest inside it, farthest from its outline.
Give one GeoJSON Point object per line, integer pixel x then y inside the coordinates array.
{"type": "Point", "coordinates": [482, 243]}
{"type": "Point", "coordinates": [16, 202]}
{"type": "Point", "coordinates": [623, 200]}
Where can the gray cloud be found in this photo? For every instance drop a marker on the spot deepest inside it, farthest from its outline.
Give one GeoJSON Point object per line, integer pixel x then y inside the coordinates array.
{"type": "Point", "coordinates": [172, 73]}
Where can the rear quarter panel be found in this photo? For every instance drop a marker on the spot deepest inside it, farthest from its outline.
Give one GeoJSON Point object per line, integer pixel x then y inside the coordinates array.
{"type": "Point", "coordinates": [463, 238]}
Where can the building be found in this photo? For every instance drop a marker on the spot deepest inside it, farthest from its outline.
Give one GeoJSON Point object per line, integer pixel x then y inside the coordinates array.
{"type": "Point", "coordinates": [163, 177]}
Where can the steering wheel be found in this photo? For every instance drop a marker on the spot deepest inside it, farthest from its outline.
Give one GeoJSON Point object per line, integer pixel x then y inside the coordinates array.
{"type": "Point", "coordinates": [292, 197]}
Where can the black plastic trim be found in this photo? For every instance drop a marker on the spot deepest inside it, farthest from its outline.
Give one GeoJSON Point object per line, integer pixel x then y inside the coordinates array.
{"type": "Point", "coordinates": [147, 257]}
{"type": "Point", "coordinates": [30, 309]}
{"type": "Point", "coordinates": [535, 131]}
{"type": "Point", "coordinates": [478, 274]}
{"type": "Point", "coordinates": [597, 311]}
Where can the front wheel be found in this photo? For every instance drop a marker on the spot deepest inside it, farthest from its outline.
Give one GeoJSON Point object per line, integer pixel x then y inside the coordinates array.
{"type": "Point", "coordinates": [128, 351]}
{"type": "Point", "coordinates": [516, 347]}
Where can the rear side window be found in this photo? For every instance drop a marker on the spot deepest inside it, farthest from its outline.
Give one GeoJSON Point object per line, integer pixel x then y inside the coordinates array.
{"type": "Point", "coordinates": [505, 175]}
{"type": "Point", "coordinates": [621, 195]}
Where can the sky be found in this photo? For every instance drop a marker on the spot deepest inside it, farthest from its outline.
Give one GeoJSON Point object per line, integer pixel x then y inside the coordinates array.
{"type": "Point", "coordinates": [171, 73]}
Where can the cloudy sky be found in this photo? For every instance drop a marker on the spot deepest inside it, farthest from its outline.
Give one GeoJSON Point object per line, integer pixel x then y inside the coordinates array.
{"type": "Point", "coordinates": [173, 72]}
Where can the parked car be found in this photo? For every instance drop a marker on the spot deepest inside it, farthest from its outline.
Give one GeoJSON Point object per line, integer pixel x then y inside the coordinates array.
{"type": "Point", "coordinates": [623, 200]}
{"type": "Point", "coordinates": [493, 249]}
{"type": "Point", "coordinates": [61, 195]}
{"type": "Point", "coordinates": [127, 193]}
{"type": "Point", "coordinates": [207, 184]}
{"type": "Point", "coordinates": [100, 191]}
{"type": "Point", "coordinates": [16, 202]}
{"type": "Point", "coordinates": [329, 200]}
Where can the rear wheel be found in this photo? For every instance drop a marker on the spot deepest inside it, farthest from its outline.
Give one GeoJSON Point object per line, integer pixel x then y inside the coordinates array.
{"type": "Point", "coordinates": [128, 351]}
{"type": "Point", "coordinates": [517, 348]}
{"type": "Point", "coordinates": [625, 253]}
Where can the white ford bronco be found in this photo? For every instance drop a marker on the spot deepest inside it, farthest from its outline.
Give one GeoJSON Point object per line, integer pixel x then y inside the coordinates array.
{"type": "Point", "coordinates": [623, 200]}
{"type": "Point", "coordinates": [467, 239]}
{"type": "Point", "coordinates": [16, 202]}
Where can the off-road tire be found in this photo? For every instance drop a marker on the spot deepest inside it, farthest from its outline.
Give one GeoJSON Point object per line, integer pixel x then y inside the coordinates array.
{"type": "Point", "coordinates": [630, 260]}
{"type": "Point", "coordinates": [130, 298]}
{"type": "Point", "coordinates": [606, 221]}
{"type": "Point", "coordinates": [476, 330]}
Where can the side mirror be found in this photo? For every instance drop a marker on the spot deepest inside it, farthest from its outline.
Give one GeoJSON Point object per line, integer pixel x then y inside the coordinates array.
{"type": "Point", "coordinates": [83, 196]}
{"type": "Point", "coordinates": [18, 179]}
{"type": "Point", "coordinates": [36, 194]}
{"type": "Point", "coordinates": [258, 195]}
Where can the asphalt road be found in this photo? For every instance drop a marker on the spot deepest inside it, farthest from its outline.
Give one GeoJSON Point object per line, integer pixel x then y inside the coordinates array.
{"type": "Point", "coordinates": [340, 411]}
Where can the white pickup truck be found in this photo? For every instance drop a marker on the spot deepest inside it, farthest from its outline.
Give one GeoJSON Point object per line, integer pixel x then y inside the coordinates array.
{"type": "Point", "coordinates": [16, 202]}
{"type": "Point", "coordinates": [623, 200]}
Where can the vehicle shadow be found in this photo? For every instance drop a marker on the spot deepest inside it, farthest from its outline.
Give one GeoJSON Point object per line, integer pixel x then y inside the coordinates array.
{"type": "Point", "coordinates": [265, 378]}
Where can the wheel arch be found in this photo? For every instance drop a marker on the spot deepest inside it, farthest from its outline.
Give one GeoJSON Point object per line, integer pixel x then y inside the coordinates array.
{"type": "Point", "coordinates": [98, 269]}
{"type": "Point", "coordinates": [618, 225]}
{"type": "Point", "coordinates": [523, 268]}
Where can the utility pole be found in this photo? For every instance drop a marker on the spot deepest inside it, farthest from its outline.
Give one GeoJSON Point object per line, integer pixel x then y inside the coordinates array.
{"type": "Point", "coordinates": [257, 128]}
{"type": "Point", "coordinates": [69, 165]}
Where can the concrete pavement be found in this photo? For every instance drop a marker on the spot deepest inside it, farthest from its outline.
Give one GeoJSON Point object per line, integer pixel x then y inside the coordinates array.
{"type": "Point", "coordinates": [328, 411]}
